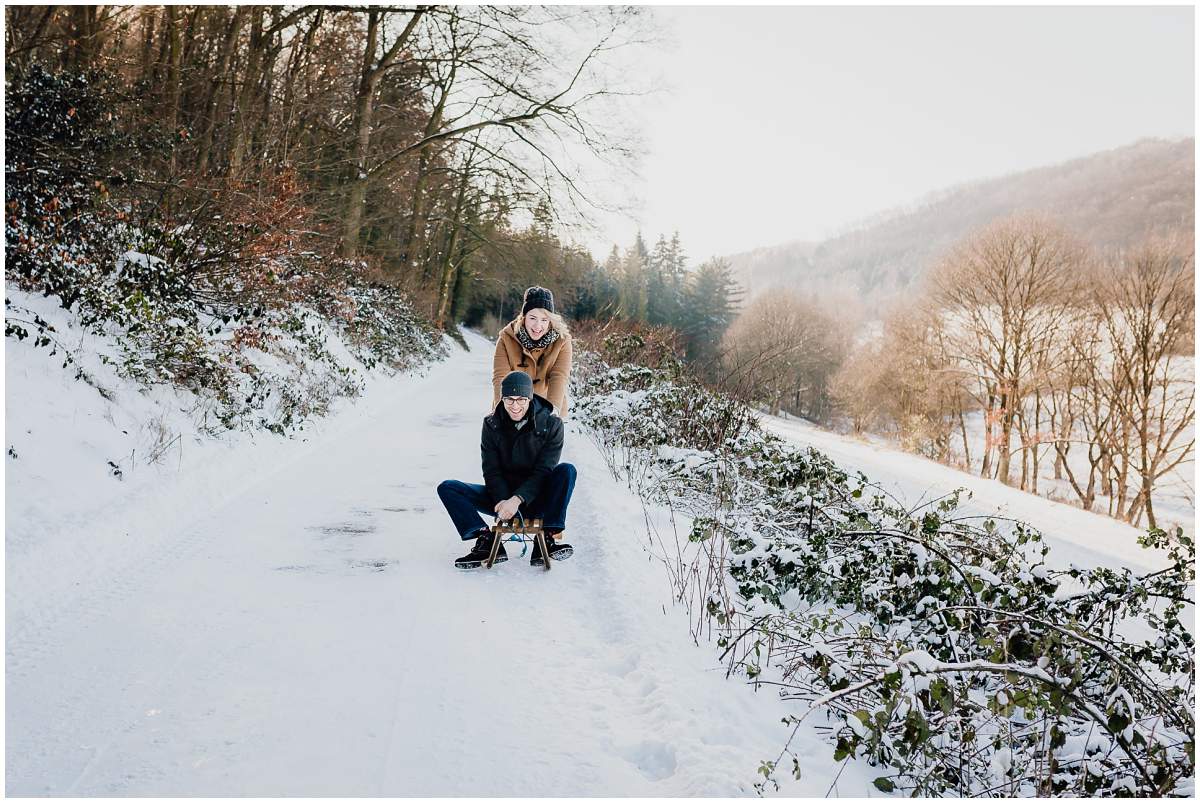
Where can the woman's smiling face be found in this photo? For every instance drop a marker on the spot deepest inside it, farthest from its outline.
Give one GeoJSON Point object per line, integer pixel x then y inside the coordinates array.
{"type": "Point", "coordinates": [537, 323]}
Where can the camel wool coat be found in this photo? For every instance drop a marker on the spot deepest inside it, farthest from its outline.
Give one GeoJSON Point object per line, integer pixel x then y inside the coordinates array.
{"type": "Point", "coordinates": [549, 367]}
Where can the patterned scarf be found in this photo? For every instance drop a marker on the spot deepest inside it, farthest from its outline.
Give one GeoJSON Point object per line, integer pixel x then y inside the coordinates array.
{"type": "Point", "coordinates": [529, 343]}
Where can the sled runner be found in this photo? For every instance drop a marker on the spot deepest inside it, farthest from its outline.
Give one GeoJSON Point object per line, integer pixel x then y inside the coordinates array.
{"type": "Point", "coordinates": [517, 529]}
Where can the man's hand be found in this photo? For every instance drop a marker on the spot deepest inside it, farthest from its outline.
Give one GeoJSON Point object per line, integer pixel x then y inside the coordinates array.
{"type": "Point", "coordinates": [508, 508]}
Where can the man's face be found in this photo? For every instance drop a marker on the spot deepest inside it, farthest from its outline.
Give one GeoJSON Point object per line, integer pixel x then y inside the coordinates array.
{"type": "Point", "coordinates": [516, 406]}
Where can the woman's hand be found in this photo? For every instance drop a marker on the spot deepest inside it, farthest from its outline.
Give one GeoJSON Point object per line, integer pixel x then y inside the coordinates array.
{"type": "Point", "coordinates": [508, 508]}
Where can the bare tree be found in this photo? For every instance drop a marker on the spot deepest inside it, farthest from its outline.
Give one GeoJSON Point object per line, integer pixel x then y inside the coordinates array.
{"type": "Point", "coordinates": [492, 69]}
{"type": "Point", "coordinates": [1004, 292]}
{"type": "Point", "coordinates": [218, 86]}
{"type": "Point", "coordinates": [374, 66]}
{"type": "Point", "coordinates": [783, 350]}
{"type": "Point", "coordinates": [858, 386]}
{"type": "Point", "coordinates": [26, 29]}
{"type": "Point", "coordinates": [1145, 304]}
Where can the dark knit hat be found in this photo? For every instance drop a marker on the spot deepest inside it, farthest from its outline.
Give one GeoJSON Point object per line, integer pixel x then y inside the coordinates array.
{"type": "Point", "coordinates": [517, 383]}
{"type": "Point", "coordinates": [538, 298]}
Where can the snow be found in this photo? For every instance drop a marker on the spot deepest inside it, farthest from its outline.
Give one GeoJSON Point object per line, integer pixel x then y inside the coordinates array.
{"type": "Point", "coordinates": [1002, 761]}
{"type": "Point", "coordinates": [261, 616]}
{"type": "Point", "coordinates": [1075, 536]}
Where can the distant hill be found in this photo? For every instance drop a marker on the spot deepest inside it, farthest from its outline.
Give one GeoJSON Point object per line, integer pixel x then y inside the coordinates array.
{"type": "Point", "coordinates": [1109, 199]}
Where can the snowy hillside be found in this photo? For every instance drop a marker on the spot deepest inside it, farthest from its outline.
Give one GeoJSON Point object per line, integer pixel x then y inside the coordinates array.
{"type": "Point", "coordinates": [261, 616]}
{"type": "Point", "coordinates": [1109, 199]}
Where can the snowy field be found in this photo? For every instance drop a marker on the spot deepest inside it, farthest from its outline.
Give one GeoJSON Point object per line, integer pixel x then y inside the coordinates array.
{"type": "Point", "coordinates": [1074, 535]}
{"type": "Point", "coordinates": [267, 617]}
{"type": "Point", "coordinates": [1174, 493]}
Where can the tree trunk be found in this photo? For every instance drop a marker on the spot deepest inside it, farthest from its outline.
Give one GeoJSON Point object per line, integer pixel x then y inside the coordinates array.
{"type": "Point", "coordinates": [356, 194]}
{"type": "Point", "coordinates": [452, 266]}
{"type": "Point", "coordinates": [1145, 469]}
{"type": "Point", "coordinates": [217, 88]}
{"type": "Point", "coordinates": [299, 59]}
{"type": "Point", "coordinates": [962, 426]}
{"type": "Point", "coordinates": [1035, 457]}
{"type": "Point", "coordinates": [243, 105]}
{"type": "Point", "coordinates": [364, 106]}
{"type": "Point", "coordinates": [85, 38]}
{"type": "Point", "coordinates": [146, 72]}
{"type": "Point", "coordinates": [985, 469]}
{"type": "Point", "coordinates": [1004, 457]}
{"type": "Point", "coordinates": [415, 231]}
{"type": "Point", "coordinates": [1148, 505]}
{"type": "Point", "coordinates": [1122, 483]}
{"type": "Point", "coordinates": [1089, 499]}
{"type": "Point", "coordinates": [262, 121]}
{"type": "Point", "coordinates": [446, 285]}
{"type": "Point", "coordinates": [456, 295]}
{"type": "Point", "coordinates": [1024, 438]}
{"type": "Point", "coordinates": [23, 31]}
{"type": "Point", "coordinates": [415, 234]}
{"type": "Point", "coordinates": [1058, 459]}
{"type": "Point", "coordinates": [174, 58]}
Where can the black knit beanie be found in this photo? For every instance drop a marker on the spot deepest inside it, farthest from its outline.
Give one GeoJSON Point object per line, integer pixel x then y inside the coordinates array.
{"type": "Point", "coordinates": [517, 383]}
{"type": "Point", "coordinates": [538, 298]}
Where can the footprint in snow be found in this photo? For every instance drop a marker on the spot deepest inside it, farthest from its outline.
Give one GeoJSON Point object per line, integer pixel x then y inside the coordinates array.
{"type": "Point", "coordinates": [352, 530]}
{"type": "Point", "coordinates": [623, 666]}
{"type": "Point", "coordinates": [655, 760]}
{"type": "Point", "coordinates": [378, 565]}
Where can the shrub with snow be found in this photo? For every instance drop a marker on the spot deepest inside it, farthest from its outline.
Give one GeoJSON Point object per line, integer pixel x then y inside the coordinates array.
{"type": "Point", "coordinates": [937, 647]}
{"type": "Point", "coordinates": [216, 289]}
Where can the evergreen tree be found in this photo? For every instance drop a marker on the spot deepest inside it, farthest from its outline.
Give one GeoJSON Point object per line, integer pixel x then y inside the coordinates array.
{"type": "Point", "coordinates": [597, 296]}
{"type": "Point", "coordinates": [639, 247]}
{"type": "Point", "coordinates": [710, 302]}
{"type": "Point", "coordinates": [676, 263]}
{"type": "Point", "coordinates": [665, 275]}
{"type": "Point", "coordinates": [675, 271]}
{"type": "Point", "coordinates": [612, 265]}
{"type": "Point", "coordinates": [632, 283]}
{"type": "Point", "coordinates": [661, 302]}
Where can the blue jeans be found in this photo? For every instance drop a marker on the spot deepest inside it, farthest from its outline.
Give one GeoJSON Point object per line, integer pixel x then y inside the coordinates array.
{"type": "Point", "coordinates": [464, 502]}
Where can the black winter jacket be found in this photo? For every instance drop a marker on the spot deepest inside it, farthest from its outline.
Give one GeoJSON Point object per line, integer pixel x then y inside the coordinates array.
{"type": "Point", "coordinates": [518, 461]}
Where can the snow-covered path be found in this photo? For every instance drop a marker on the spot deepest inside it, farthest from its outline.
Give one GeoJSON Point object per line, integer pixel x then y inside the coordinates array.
{"type": "Point", "coordinates": [308, 635]}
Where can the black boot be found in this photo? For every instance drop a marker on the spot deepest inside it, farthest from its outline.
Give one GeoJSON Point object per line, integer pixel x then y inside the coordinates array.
{"type": "Point", "coordinates": [558, 551]}
{"type": "Point", "coordinates": [479, 553]}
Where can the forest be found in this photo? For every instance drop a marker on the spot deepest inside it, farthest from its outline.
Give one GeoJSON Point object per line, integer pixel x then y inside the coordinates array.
{"type": "Point", "coordinates": [434, 150]}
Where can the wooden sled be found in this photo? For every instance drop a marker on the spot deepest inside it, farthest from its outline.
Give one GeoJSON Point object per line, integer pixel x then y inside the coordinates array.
{"type": "Point", "coordinates": [527, 531]}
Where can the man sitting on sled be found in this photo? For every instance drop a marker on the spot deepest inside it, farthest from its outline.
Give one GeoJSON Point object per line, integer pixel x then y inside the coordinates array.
{"type": "Point", "coordinates": [521, 442]}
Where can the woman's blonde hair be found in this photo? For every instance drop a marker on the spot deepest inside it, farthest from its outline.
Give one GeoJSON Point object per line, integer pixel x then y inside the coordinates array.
{"type": "Point", "coordinates": [557, 323]}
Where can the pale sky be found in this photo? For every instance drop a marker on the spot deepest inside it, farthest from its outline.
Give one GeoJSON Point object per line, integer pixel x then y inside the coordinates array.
{"type": "Point", "coordinates": [788, 123]}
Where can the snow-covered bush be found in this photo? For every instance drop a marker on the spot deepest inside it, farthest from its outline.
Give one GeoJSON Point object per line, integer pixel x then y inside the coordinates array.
{"type": "Point", "coordinates": [937, 647]}
{"type": "Point", "coordinates": [216, 287]}
{"type": "Point", "coordinates": [63, 236]}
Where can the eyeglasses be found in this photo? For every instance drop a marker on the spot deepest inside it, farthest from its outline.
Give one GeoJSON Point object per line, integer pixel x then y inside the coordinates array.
{"type": "Point", "coordinates": [515, 400]}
